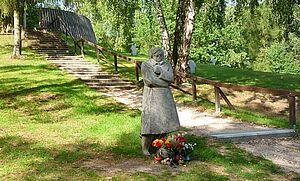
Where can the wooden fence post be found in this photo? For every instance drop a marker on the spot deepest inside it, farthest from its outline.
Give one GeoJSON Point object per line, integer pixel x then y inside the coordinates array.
{"type": "Point", "coordinates": [217, 100]}
{"type": "Point", "coordinates": [225, 98]}
{"type": "Point", "coordinates": [194, 88]}
{"type": "Point", "coordinates": [97, 53]}
{"type": "Point", "coordinates": [116, 63]}
{"type": "Point", "coordinates": [292, 111]}
{"type": "Point", "coordinates": [136, 72]}
{"type": "Point", "coordinates": [75, 46]}
{"type": "Point", "coordinates": [82, 48]}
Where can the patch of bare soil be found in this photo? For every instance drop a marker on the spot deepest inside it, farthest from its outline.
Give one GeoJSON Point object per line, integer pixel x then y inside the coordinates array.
{"type": "Point", "coordinates": [285, 152]}
{"type": "Point", "coordinates": [109, 167]}
{"type": "Point", "coordinates": [267, 104]}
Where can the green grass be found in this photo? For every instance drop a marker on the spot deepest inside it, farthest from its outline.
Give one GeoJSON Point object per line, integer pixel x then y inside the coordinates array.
{"type": "Point", "coordinates": [249, 77]}
{"type": "Point", "coordinates": [52, 124]}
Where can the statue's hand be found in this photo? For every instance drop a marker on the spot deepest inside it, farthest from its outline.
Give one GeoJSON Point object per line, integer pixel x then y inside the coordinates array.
{"type": "Point", "coordinates": [157, 70]}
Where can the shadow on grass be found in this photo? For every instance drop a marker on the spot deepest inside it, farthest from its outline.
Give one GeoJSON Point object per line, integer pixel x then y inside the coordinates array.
{"type": "Point", "coordinates": [39, 163]}
{"type": "Point", "coordinates": [64, 161]}
{"type": "Point", "coordinates": [44, 99]}
{"type": "Point", "coordinates": [18, 68]}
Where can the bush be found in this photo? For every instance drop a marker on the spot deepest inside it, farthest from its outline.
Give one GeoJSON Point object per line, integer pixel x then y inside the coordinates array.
{"type": "Point", "coordinates": [33, 15]}
{"type": "Point", "coordinates": [237, 60]}
{"type": "Point", "coordinates": [281, 60]}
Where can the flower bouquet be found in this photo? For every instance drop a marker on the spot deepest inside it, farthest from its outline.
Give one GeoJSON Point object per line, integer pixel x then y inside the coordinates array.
{"type": "Point", "coordinates": [173, 149]}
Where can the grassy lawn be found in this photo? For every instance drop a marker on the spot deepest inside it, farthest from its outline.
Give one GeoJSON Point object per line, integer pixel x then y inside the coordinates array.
{"type": "Point", "coordinates": [52, 125]}
{"type": "Point", "coordinates": [249, 77]}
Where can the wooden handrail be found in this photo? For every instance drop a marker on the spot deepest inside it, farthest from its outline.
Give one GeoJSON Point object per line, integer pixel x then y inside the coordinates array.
{"type": "Point", "coordinates": [113, 53]}
{"type": "Point", "coordinates": [237, 87]}
{"type": "Point", "coordinates": [291, 95]}
{"type": "Point", "coordinates": [69, 32]}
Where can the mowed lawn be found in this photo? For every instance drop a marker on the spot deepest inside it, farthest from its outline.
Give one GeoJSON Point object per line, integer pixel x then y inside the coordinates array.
{"type": "Point", "coordinates": [51, 125]}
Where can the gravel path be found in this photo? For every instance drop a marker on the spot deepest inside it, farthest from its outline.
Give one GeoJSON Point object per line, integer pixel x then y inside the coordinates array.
{"type": "Point", "coordinates": [284, 152]}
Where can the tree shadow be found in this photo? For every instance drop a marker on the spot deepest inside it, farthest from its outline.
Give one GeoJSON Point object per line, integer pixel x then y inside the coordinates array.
{"type": "Point", "coordinates": [31, 161]}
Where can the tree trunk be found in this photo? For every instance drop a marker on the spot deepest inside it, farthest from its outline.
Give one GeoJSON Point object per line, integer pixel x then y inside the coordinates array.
{"type": "Point", "coordinates": [183, 37]}
{"type": "Point", "coordinates": [17, 34]}
{"type": "Point", "coordinates": [180, 16]}
{"type": "Point", "coordinates": [163, 30]}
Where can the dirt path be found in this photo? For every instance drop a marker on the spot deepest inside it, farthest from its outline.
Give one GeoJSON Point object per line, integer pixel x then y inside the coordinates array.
{"type": "Point", "coordinates": [284, 152]}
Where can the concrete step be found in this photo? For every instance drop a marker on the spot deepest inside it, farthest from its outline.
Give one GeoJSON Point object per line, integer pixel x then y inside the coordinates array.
{"type": "Point", "coordinates": [113, 88]}
{"type": "Point", "coordinates": [95, 75]}
{"type": "Point", "coordinates": [106, 80]}
{"type": "Point", "coordinates": [49, 48]}
{"type": "Point", "coordinates": [82, 71]}
{"type": "Point", "coordinates": [71, 63]}
{"type": "Point", "coordinates": [62, 57]}
{"type": "Point", "coordinates": [80, 68]}
{"type": "Point", "coordinates": [254, 134]}
{"type": "Point", "coordinates": [53, 51]}
{"type": "Point", "coordinates": [50, 54]}
{"type": "Point", "coordinates": [100, 84]}
{"type": "Point", "coordinates": [71, 58]}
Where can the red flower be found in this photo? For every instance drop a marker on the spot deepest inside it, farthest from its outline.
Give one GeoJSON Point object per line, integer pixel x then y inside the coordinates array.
{"type": "Point", "coordinates": [179, 145]}
{"type": "Point", "coordinates": [181, 139]}
{"type": "Point", "coordinates": [169, 145]}
{"type": "Point", "coordinates": [163, 139]}
{"type": "Point", "coordinates": [175, 135]}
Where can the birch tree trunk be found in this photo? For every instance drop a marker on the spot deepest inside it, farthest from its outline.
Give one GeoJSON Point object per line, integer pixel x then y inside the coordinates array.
{"type": "Point", "coordinates": [163, 30]}
{"type": "Point", "coordinates": [17, 34]}
{"type": "Point", "coordinates": [184, 39]}
{"type": "Point", "coordinates": [180, 16]}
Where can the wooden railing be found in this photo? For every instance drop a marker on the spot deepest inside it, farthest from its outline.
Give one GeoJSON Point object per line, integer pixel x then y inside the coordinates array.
{"type": "Point", "coordinates": [291, 95]}
{"type": "Point", "coordinates": [116, 55]}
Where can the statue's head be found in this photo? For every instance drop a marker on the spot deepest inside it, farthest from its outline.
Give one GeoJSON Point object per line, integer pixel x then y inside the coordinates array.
{"type": "Point", "coordinates": [157, 54]}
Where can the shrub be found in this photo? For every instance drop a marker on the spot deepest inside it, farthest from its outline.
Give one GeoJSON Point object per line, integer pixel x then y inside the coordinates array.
{"type": "Point", "coordinates": [281, 60]}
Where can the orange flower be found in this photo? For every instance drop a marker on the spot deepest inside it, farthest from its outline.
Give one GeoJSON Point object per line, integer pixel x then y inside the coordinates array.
{"type": "Point", "coordinates": [157, 143]}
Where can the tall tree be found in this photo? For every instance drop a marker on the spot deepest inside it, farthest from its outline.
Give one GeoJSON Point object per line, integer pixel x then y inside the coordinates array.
{"type": "Point", "coordinates": [163, 29]}
{"type": "Point", "coordinates": [185, 18]}
{"type": "Point", "coordinates": [15, 6]}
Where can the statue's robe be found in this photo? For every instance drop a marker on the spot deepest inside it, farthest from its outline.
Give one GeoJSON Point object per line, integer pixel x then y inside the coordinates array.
{"type": "Point", "coordinates": [159, 113]}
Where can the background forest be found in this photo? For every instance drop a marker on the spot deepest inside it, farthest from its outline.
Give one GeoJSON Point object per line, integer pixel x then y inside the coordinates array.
{"type": "Point", "coordinates": [262, 36]}
{"type": "Point", "coordinates": [259, 35]}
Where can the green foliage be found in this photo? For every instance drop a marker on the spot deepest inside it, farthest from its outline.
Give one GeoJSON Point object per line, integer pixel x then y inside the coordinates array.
{"type": "Point", "coordinates": [243, 35]}
{"type": "Point", "coordinates": [281, 60]}
{"type": "Point", "coordinates": [32, 16]}
{"type": "Point", "coordinates": [113, 21]}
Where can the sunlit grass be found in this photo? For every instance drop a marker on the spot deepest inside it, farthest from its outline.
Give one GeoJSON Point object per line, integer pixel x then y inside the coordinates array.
{"type": "Point", "coordinates": [249, 77]}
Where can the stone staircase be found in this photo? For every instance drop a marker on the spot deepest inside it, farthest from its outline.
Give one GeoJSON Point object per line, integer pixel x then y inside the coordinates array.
{"type": "Point", "coordinates": [51, 46]}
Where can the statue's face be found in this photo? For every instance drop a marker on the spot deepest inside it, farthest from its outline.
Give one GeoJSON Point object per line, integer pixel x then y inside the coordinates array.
{"type": "Point", "coordinates": [158, 57]}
